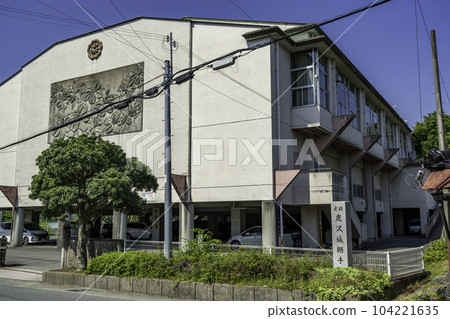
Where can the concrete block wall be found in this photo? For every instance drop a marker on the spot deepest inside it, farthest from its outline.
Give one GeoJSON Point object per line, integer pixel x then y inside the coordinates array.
{"type": "Point", "coordinates": [201, 291]}
{"type": "Point", "coordinates": [173, 289]}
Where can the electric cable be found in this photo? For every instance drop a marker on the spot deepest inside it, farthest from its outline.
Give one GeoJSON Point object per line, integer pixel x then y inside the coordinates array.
{"type": "Point", "coordinates": [142, 41]}
{"type": "Point", "coordinates": [192, 69]}
{"type": "Point", "coordinates": [429, 38]}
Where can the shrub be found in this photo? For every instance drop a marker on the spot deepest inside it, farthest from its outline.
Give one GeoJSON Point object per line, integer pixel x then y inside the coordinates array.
{"type": "Point", "coordinates": [335, 283]}
{"type": "Point", "coordinates": [437, 251]}
{"type": "Point", "coordinates": [203, 260]}
{"type": "Point", "coordinates": [130, 264]}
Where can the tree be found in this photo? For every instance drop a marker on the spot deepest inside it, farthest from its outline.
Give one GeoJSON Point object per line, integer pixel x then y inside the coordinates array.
{"type": "Point", "coordinates": [427, 134]}
{"type": "Point", "coordinates": [82, 175]}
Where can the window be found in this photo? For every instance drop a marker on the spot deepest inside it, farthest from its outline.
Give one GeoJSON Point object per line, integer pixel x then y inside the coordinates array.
{"type": "Point", "coordinates": [305, 89]}
{"type": "Point", "coordinates": [324, 99]}
{"type": "Point", "coordinates": [358, 191]}
{"type": "Point", "coordinates": [372, 119]}
{"type": "Point", "coordinates": [403, 145]}
{"type": "Point", "coordinates": [378, 195]}
{"type": "Point", "coordinates": [391, 134]}
{"type": "Point", "coordinates": [347, 99]}
{"type": "Point", "coordinates": [302, 78]}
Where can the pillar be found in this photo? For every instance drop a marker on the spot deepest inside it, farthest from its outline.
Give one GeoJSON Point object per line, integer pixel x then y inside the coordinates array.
{"type": "Point", "coordinates": [17, 227]}
{"type": "Point", "coordinates": [269, 224]}
{"type": "Point", "coordinates": [237, 221]}
{"type": "Point", "coordinates": [370, 216]}
{"type": "Point", "coordinates": [310, 226]}
{"type": "Point", "coordinates": [119, 225]}
{"type": "Point", "coordinates": [387, 222]}
{"type": "Point", "coordinates": [156, 224]}
{"type": "Point", "coordinates": [1, 216]}
{"type": "Point", "coordinates": [186, 222]}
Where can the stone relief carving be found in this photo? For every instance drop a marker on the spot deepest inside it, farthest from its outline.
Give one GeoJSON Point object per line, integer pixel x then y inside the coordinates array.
{"type": "Point", "coordinates": [73, 98]}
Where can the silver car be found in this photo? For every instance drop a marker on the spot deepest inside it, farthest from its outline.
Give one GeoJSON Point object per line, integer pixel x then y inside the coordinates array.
{"type": "Point", "coordinates": [138, 230]}
{"type": "Point", "coordinates": [32, 233]}
{"type": "Point", "coordinates": [253, 236]}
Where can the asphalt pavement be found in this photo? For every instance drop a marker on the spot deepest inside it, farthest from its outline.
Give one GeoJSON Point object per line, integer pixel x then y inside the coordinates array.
{"type": "Point", "coordinates": [400, 242]}
{"type": "Point", "coordinates": [20, 279]}
{"type": "Point", "coordinates": [24, 290]}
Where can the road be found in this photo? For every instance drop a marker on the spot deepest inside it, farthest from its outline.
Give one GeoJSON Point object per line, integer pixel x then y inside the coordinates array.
{"type": "Point", "coordinates": [34, 257]}
{"type": "Point", "coordinates": [24, 290]}
{"type": "Point", "coordinates": [401, 242]}
{"type": "Point", "coordinates": [21, 276]}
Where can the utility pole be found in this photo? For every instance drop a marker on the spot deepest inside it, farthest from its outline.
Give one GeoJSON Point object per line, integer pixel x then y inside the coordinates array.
{"type": "Point", "coordinates": [167, 158]}
{"type": "Point", "coordinates": [441, 133]}
{"type": "Point", "coordinates": [437, 90]}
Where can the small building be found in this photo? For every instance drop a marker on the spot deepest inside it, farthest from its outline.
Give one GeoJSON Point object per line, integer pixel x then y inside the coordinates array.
{"type": "Point", "coordinates": [240, 134]}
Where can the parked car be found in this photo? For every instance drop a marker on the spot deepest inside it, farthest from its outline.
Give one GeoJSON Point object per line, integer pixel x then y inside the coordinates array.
{"type": "Point", "coordinates": [32, 233]}
{"type": "Point", "coordinates": [253, 236]}
{"type": "Point", "coordinates": [135, 230]}
{"type": "Point", "coordinates": [414, 226]}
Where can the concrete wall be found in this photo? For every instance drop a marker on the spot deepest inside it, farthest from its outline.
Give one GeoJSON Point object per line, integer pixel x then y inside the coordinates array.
{"type": "Point", "coordinates": [9, 115]}
{"type": "Point", "coordinates": [406, 194]}
{"type": "Point", "coordinates": [223, 119]}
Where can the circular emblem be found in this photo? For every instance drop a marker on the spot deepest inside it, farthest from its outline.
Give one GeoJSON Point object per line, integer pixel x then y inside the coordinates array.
{"type": "Point", "coordinates": [95, 49]}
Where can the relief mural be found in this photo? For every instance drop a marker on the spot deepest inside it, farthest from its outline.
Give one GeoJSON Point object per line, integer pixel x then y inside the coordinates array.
{"type": "Point", "coordinates": [73, 98]}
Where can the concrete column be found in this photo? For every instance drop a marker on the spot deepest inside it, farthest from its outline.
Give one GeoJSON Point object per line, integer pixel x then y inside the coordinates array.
{"type": "Point", "coordinates": [119, 225]}
{"type": "Point", "coordinates": [17, 227]}
{"type": "Point", "coordinates": [387, 222]}
{"type": "Point", "coordinates": [362, 111]}
{"type": "Point", "coordinates": [269, 224]}
{"type": "Point", "coordinates": [332, 85]}
{"type": "Point", "coordinates": [310, 226]}
{"type": "Point", "coordinates": [370, 215]}
{"type": "Point", "coordinates": [156, 224]}
{"type": "Point", "coordinates": [186, 222]}
{"type": "Point", "coordinates": [237, 221]}
{"type": "Point", "coordinates": [1, 216]}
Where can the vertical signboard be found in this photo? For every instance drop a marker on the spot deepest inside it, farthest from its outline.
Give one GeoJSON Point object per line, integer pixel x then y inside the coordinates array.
{"type": "Point", "coordinates": [342, 234]}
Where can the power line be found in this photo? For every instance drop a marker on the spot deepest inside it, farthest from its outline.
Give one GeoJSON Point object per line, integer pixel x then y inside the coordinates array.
{"type": "Point", "coordinates": [287, 36]}
{"type": "Point", "coordinates": [429, 38]}
{"type": "Point", "coordinates": [155, 90]}
{"type": "Point", "coordinates": [123, 17]}
{"type": "Point", "coordinates": [240, 9]}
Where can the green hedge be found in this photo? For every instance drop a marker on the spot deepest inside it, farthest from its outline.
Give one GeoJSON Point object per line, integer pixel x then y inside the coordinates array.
{"type": "Point", "coordinates": [437, 251]}
{"type": "Point", "coordinates": [207, 263]}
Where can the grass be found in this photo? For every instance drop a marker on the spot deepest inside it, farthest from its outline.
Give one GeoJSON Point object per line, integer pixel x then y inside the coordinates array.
{"type": "Point", "coordinates": [426, 287]}
{"type": "Point", "coordinates": [437, 269]}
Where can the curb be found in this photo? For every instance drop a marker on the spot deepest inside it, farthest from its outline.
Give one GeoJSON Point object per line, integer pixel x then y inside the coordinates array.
{"type": "Point", "coordinates": [174, 289]}
{"type": "Point", "coordinates": [201, 291]}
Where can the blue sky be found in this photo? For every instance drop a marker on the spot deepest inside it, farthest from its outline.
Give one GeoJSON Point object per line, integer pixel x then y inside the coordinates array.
{"type": "Point", "coordinates": [381, 44]}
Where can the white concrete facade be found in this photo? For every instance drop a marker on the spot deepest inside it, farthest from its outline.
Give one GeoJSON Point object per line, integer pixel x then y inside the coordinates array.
{"type": "Point", "coordinates": [225, 125]}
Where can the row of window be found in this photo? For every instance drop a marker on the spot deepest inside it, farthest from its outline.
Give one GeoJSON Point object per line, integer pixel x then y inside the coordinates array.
{"type": "Point", "coordinates": [358, 191]}
{"type": "Point", "coordinates": [306, 66]}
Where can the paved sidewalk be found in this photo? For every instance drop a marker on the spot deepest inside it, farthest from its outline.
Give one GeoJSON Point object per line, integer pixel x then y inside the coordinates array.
{"type": "Point", "coordinates": [33, 257]}
{"type": "Point", "coordinates": [28, 262]}
{"type": "Point", "coordinates": [20, 274]}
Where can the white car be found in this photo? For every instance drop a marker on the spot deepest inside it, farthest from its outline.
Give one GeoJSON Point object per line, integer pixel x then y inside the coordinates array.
{"type": "Point", "coordinates": [253, 236]}
{"type": "Point", "coordinates": [137, 230]}
{"type": "Point", "coordinates": [32, 233]}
